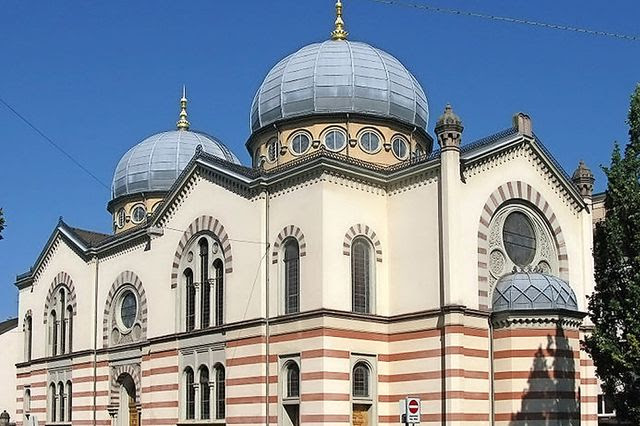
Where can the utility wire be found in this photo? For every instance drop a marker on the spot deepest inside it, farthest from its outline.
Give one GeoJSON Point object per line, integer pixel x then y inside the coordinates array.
{"type": "Point", "coordinates": [230, 239]}
{"type": "Point", "coordinates": [508, 19]}
{"type": "Point", "coordinates": [55, 145]}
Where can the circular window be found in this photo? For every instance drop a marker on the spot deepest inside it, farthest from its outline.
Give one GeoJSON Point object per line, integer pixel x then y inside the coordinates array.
{"type": "Point", "coordinates": [121, 216]}
{"type": "Point", "coordinates": [300, 143]}
{"type": "Point", "coordinates": [335, 140]}
{"type": "Point", "coordinates": [128, 309]}
{"type": "Point", "coordinates": [400, 148]}
{"type": "Point", "coordinates": [272, 150]}
{"type": "Point", "coordinates": [370, 142]}
{"type": "Point", "coordinates": [519, 239]}
{"type": "Point", "coordinates": [139, 213]}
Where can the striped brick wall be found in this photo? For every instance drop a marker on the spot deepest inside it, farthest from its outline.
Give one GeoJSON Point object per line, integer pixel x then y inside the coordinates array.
{"type": "Point", "coordinates": [536, 373]}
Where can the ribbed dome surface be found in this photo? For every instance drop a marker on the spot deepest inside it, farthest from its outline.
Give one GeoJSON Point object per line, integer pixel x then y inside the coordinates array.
{"type": "Point", "coordinates": [530, 291]}
{"type": "Point", "coordinates": [155, 163]}
{"type": "Point", "coordinates": [338, 77]}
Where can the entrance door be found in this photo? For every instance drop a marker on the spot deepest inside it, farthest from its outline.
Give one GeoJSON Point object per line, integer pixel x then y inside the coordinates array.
{"type": "Point", "coordinates": [133, 412]}
{"type": "Point", "coordinates": [128, 412]}
{"type": "Point", "coordinates": [360, 416]}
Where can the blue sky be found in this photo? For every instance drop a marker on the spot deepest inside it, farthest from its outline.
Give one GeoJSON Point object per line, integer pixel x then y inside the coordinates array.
{"type": "Point", "coordinates": [98, 77]}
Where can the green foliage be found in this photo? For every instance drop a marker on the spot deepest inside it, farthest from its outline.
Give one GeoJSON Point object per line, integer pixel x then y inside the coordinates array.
{"type": "Point", "coordinates": [1, 223]}
{"type": "Point", "coordinates": [614, 308]}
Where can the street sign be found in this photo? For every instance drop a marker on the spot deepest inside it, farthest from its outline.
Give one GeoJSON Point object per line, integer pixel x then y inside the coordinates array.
{"type": "Point", "coordinates": [413, 410]}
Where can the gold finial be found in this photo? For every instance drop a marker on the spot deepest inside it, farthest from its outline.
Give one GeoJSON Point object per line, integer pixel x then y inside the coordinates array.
{"type": "Point", "coordinates": [183, 123]}
{"type": "Point", "coordinates": [339, 32]}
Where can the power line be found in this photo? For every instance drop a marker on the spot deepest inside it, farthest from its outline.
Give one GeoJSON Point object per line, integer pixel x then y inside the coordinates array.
{"type": "Point", "coordinates": [230, 239]}
{"type": "Point", "coordinates": [55, 145]}
{"type": "Point", "coordinates": [508, 19]}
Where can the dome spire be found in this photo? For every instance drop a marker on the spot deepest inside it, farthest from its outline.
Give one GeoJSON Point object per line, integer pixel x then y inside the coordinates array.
{"type": "Point", "coordinates": [183, 123]}
{"type": "Point", "coordinates": [339, 32]}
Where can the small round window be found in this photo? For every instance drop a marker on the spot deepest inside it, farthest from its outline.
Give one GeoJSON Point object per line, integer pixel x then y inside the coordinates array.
{"type": "Point", "coordinates": [335, 140]}
{"type": "Point", "coordinates": [519, 239]}
{"type": "Point", "coordinates": [300, 143]}
{"type": "Point", "coordinates": [272, 150]}
{"type": "Point", "coordinates": [128, 309]}
{"type": "Point", "coordinates": [370, 142]}
{"type": "Point", "coordinates": [138, 214]}
{"type": "Point", "coordinates": [400, 148]}
{"type": "Point", "coordinates": [121, 216]}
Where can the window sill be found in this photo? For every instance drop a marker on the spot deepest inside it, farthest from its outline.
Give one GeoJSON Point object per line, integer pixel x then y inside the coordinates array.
{"type": "Point", "coordinates": [200, 422]}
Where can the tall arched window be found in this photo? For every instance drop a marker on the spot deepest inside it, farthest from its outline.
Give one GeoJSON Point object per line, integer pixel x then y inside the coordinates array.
{"type": "Point", "coordinates": [190, 394]}
{"type": "Point", "coordinates": [219, 283]}
{"type": "Point", "coordinates": [53, 330]}
{"type": "Point", "coordinates": [360, 381]}
{"type": "Point", "coordinates": [26, 403]}
{"type": "Point", "coordinates": [361, 271]}
{"type": "Point", "coordinates": [293, 380]}
{"type": "Point", "coordinates": [52, 402]}
{"type": "Point", "coordinates": [220, 392]}
{"type": "Point", "coordinates": [69, 401]}
{"type": "Point", "coordinates": [28, 337]}
{"type": "Point", "coordinates": [291, 276]}
{"type": "Point", "coordinates": [205, 394]}
{"type": "Point", "coordinates": [205, 301]}
{"type": "Point", "coordinates": [63, 323]}
{"type": "Point", "coordinates": [70, 328]}
{"type": "Point", "coordinates": [62, 402]}
{"type": "Point", "coordinates": [190, 311]}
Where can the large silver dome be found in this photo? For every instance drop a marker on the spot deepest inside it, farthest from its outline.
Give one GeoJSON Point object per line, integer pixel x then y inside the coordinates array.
{"type": "Point", "coordinates": [339, 76]}
{"type": "Point", "coordinates": [531, 291]}
{"type": "Point", "coordinates": [155, 163]}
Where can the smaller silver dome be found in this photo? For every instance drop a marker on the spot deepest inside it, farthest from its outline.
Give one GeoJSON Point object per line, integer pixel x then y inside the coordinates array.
{"type": "Point", "coordinates": [532, 291]}
{"type": "Point", "coordinates": [155, 163]}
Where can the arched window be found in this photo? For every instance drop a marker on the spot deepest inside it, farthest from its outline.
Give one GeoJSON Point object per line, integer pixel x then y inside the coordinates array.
{"type": "Point", "coordinates": [219, 288]}
{"type": "Point", "coordinates": [205, 302]}
{"type": "Point", "coordinates": [28, 337]}
{"type": "Point", "coordinates": [190, 394]}
{"type": "Point", "coordinates": [53, 330]}
{"type": "Point", "coordinates": [360, 381]}
{"type": "Point", "coordinates": [69, 401]}
{"type": "Point", "coordinates": [63, 323]}
{"type": "Point", "coordinates": [70, 328]}
{"type": "Point", "coordinates": [220, 392]}
{"type": "Point", "coordinates": [205, 394]}
{"type": "Point", "coordinates": [52, 402]}
{"type": "Point", "coordinates": [291, 276]}
{"type": "Point", "coordinates": [293, 380]}
{"type": "Point", "coordinates": [26, 403]}
{"type": "Point", "coordinates": [190, 310]}
{"type": "Point", "coordinates": [361, 271]}
{"type": "Point", "coordinates": [61, 397]}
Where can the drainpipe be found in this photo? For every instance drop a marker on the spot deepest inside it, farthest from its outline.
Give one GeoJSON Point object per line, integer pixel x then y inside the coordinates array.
{"type": "Point", "coordinates": [95, 337]}
{"type": "Point", "coordinates": [266, 282]}
{"type": "Point", "coordinates": [492, 403]}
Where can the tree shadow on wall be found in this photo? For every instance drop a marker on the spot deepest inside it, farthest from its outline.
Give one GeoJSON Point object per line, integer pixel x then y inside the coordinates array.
{"type": "Point", "coordinates": [552, 397]}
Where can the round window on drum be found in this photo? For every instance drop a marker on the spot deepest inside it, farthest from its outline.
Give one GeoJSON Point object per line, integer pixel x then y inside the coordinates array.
{"type": "Point", "coordinates": [400, 148]}
{"type": "Point", "coordinates": [300, 143]}
{"type": "Point", "coordinates": [519, 239]}
{"type": "Point", "coordinates": [335, 140]}
{"type": "Point", "coordinates": [370, 142]}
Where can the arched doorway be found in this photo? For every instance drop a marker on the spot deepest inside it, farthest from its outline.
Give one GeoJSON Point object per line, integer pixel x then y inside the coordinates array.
{"type": "Point", "coordinates": [128, 412]}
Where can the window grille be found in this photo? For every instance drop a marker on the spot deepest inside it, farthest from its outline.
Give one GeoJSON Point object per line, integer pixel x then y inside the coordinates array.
{"type": "Point", "coordinates": [190, 393]}
{"type": "Point", "coordinates": [293, 381]}
{"type": "Point", "coordinates": [360, 381]}
{"type": "Point", "coordinates": [360, 275]}
{"type": "Point", "coordinates": [205, 303]}
{"type": "Point", "coordinates": [220, 393]}
{"type": "Point", "coordinates": [292, 276]}
{"type": "Point", "coordinates": [191, 300]}
{"type": "Point", "coordinates": [205, 396]}
{"type": "Point", "coordinates": [219, 289]}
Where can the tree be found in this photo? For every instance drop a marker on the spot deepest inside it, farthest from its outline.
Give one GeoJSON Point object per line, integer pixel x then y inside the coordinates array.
{"type": "Point", "coordinates": [614, 307]}
{"type": "Point", "coordinates": [1, 223]}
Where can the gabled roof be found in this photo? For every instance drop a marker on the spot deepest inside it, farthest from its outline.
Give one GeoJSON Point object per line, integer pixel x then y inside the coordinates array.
{"type": "Point", "coordinates": [8, 325]}
{"type": "Point", "coordinates": [88, 243]}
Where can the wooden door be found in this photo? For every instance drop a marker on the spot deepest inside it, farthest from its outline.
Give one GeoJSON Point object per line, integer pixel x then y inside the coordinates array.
{"type": "Point", "coordinates": [360, 416]}
{"type": "Point", "coordinates": [133, 412]}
